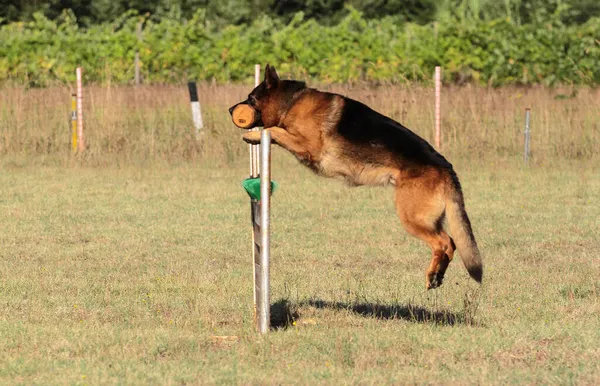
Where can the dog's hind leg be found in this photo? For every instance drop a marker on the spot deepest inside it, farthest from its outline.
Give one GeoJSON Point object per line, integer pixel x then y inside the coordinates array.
{"type": "Point", "coordinates": [420, 206]}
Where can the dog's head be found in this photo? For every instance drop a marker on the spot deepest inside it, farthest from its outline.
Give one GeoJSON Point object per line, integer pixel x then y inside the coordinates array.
{"type": "Point", "coordinates": [272, 98]}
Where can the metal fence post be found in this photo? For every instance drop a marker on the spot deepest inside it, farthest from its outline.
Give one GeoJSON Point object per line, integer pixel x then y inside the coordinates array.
{"type": "Point", "coordinates": [526, 132]}
{"type": "Point", "coordinates": [438, 92]}
{"type": "Point", "coordinates": [264, 302]}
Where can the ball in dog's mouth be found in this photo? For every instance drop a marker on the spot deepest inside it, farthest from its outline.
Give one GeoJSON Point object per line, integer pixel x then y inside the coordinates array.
{"type": "Point", "coordinates": [244, 116]}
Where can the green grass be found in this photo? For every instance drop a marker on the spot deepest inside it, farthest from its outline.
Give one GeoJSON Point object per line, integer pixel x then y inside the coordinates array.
{"type": "Point", "coordinates": [126, 275]}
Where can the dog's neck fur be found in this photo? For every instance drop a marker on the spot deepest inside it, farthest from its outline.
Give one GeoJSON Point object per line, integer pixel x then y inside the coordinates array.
{"type": "Point", "coordinates": [294, 90]}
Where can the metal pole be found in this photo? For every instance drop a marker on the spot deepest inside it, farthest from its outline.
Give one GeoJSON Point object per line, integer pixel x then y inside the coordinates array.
{"type": "Point", "coordinates": [254, 149]}
{"type": "Point", "coordinates": [527, 117]}
{"type": "Point", "coordinates": [256, 256]}
{"type": "Point", "coordinates": [255, 213]}
{"type": "Point", "coordinates": [438, 91]}
{"type": "Point", "coordinates": [265, 205]}
{"type": "Point", "coordinates": [80, 139]}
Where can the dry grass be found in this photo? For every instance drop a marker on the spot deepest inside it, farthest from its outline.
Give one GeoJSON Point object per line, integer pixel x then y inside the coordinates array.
{"type": "Point", "coordinates": [126, 124]}
{"type": "Point", "coordinates": [126, 275]}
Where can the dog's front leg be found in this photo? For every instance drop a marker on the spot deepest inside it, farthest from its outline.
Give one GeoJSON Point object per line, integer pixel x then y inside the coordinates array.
{"type": "Point", "coordinates": [283, 138]}
{"type": "Point", "coordinates": [278, 135]}
{"type": "Point", "coordinates": [252, 137]}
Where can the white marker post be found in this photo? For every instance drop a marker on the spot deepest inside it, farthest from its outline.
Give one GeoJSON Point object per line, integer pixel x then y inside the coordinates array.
{"type": "Point", "coordinates": [196, 112]}
{"type": "Point", "coordinates": [80, 140]}
{"type": "Point", "coordinates": [438, 91]}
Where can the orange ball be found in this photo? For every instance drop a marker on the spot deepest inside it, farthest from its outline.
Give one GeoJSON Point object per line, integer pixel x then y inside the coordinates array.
{"type": "Point", "coordinates": [243, 116]}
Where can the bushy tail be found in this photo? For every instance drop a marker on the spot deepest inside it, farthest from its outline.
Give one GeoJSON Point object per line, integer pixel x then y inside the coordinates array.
{"type": "Point", "coordinates": [462, 234]}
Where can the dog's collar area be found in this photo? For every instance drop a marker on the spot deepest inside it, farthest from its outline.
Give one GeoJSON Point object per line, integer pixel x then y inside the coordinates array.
{"type": "Point", "coordinates": [295, 97]}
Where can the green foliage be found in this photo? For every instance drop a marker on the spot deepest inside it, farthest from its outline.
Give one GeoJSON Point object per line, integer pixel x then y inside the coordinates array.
{"type": "Point", "coordinates": [326, 12]}
{"type": "Point", "coordinates": [520, 11]}
{"type": "Point", "coordinates": [496, 52]}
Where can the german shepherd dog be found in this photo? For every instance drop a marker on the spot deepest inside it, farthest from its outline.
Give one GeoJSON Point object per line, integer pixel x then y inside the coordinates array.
{"type": "Point", "coordinates": [336, 136]}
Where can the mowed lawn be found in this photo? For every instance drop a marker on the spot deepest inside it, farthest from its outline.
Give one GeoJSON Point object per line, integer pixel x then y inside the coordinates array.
{"type": "Point", "coordinates": [143, 275]}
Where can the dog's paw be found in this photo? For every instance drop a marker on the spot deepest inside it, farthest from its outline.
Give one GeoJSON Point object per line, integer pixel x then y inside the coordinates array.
{"type": "Point", "coordinates": [433, 281]}
{"type": "Point", "coordinates": [252, 137]}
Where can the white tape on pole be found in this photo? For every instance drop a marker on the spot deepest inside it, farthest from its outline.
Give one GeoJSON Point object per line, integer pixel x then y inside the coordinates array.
{"type": "Point", "coordinates": [197, 117]}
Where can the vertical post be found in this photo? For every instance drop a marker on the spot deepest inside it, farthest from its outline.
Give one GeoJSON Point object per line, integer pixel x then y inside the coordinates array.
{"type": "Point", "coordinates": [80, 138]}
{"type": "Point", "coordinates": [256, 232]}
{"type": "Point", "coordinates": [255, 209]}
{"type": "Point", "coordinates": [527, 117]}
{"type": "Point", "coordinates": [74, 122]}
{"type": "Point", "coordinates": [265, 205]}
{"type": "Point", "coordinates": [256, 75]}
{"type": "Point", "coordinates": [137, 55]}
{"type": "Point", "coordinates": [438, 91]}
{"type": "Point", "coordinates": [196, 112]}
{"type": "Point", "coordinates": [256, 255]}
{"type": "Point", "coordinates": [254, 149]}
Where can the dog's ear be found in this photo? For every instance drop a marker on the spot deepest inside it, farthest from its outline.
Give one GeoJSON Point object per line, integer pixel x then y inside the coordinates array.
{"type": "Point", "coordinates": [271, 77]}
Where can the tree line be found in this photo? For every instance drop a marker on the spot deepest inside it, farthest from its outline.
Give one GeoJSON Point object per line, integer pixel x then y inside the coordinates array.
{"type": "Point", "coordinates": [325, 12]}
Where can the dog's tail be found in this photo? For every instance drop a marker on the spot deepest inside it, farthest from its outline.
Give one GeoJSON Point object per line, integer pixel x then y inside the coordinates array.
{"type": "Point", "coordinates": [460, 229]}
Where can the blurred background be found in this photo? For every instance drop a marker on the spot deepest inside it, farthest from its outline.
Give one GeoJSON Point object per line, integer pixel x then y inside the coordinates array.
{"type": "Point", "coordinates": [378, 41]}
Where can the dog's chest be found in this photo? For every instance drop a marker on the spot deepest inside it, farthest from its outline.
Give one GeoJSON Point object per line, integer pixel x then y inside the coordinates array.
{"type": "Point", "coordinates": [354, 173]}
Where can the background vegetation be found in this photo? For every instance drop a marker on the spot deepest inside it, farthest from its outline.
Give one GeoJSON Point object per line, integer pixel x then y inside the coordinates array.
{"type": "Point", "coordinates": [127, 124]}
{"type": "Point", "coordinates": [543, 41]}
{"type": "Point", "coordinates": [327, 12]}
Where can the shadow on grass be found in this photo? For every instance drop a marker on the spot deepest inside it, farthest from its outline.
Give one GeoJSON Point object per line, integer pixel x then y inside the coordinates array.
{"type": "Point", "coordinates": [404, 312]}
{"type": "Point", "coordinates": [283, 314]}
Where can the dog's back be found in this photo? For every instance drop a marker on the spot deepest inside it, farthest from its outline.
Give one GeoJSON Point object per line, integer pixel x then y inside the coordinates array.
{"type": "Point", "coordinates": [371, 132]}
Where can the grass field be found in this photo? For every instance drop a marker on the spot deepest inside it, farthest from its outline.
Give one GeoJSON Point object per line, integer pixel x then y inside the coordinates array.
{"type": "Point", "coordinates": [131, 264]}
{"type": "Point", "coordinates": [126, 275]}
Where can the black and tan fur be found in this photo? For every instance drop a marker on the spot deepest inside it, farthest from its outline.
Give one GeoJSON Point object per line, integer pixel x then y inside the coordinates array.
{"type": "Point", "coordinates": [336, 136]}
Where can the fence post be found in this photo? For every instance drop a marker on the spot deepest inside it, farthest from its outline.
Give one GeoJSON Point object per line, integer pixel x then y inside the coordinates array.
{"type": "Point", "coordinates": [254, 149]}
{"type": "Point", "coordinates": [438, 91]}
{"type": "Point", "coordinates": [74, 122]}
{"type": "Point", "coordinates": [80, 137]}
{"type": "Point", "coordinates": [526, 132]}
{"type": "Point", "coordinates": [256, 229]}
{"type": "Point", "coordinates": [262, 286]}
{"type": "Point", "coordinates": [196, 112]}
